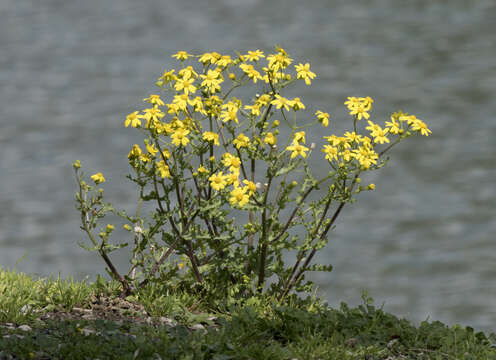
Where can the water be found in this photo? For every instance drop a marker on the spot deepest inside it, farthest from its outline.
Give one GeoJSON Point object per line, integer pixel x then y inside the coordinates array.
{"type": "Point", "coordinates": [422, 243]}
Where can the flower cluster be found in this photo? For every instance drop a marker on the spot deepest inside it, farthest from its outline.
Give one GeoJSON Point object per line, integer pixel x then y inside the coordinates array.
{"type": "Point", "coordinates": [203, 145]}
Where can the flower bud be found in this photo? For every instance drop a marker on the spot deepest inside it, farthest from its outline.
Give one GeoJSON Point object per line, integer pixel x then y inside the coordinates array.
{"type": "Point", "coordinates": [312, 146]}
{"type": "Point", "coordinates": [127, 227]}
{"type": "Point", "coordinates": [76, 164]}
{"type": "Point", "coordinates": [294, 183]}
{"type": "Point", "coordinates": [371, 187]}
{"type": "Point", "coordinates": [258, 185]}
{"type": "Point", "coordinates": [232, 76]}
{"type": "Point", "coordinates": [138, 230]}
{"type": "Point", "coordinates": [109, 228]}
{"type": "Point", "coordinates": [358, 180]}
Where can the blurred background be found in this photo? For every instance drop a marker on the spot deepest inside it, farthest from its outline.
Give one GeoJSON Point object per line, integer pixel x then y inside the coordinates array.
{"type": "Point", "coordinates": [423, 243]}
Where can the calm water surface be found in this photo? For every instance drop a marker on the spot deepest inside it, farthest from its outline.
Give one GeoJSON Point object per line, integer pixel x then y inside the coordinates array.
{"type": "Point", "coordinates": [423, 243]}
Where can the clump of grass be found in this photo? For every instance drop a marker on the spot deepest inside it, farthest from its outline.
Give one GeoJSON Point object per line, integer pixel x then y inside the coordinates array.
{"type": "Point", "coordinates": [253, 328]}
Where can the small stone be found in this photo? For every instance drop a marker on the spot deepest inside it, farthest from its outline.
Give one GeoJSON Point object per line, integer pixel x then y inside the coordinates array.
{"type": "Point", "coordinates": [25, 328]}
{"type": "Point", "coordinates": [197, 327]}
{"type": "Point", "coordinates": [168, 321]}
{"type": "Point", "coordinates": [87, 331]}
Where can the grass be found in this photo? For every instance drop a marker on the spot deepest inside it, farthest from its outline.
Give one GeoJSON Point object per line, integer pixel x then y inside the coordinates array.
{"type": "Point", "coordinates": [64, 319]}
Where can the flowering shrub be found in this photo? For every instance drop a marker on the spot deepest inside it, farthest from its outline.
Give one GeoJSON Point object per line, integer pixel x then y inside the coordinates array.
{"type": "Point", "coordinates": [206, 153]}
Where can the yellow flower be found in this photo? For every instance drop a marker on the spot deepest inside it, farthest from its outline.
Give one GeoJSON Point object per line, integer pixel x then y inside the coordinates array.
{"type": "Point", "coordinates": [331, 152]}
{"type": "Point", "coordinates": [323, 117]}
{"type": "Point", "coordinates": [153, 114]}
{"type": "Point", "coordinates": [224, 61]}
{"type": "Point", "coordinates": [255, 109]}
{"type": "Point", "coordinates": [166, 153]}
{"type": "Point", "coordinates": [255, 55]}
{"type": "Point", "coordinates": [179, 137]}
{"type": "Point", "coordinates": [202, 170]}
{"type": "Point", "coordinates": [239, 196]}
{"type": "Point", "coordinates": [270, 139]}
{"type": "Point", "coordinates": [251, 72]}
{"type": "Point", "coordinates": [187, 72]}
{"type": "Point", "coordinates": [251, 186]}
{"type": "Point", "coordinates": [98, 178]}
{"type": "Point", "coordinates": [230, 115]}
{"type": "Point", "coordinates": [263, 100]}
{"type": "Point", "coordinates": [393, 126]}
{"type": "Point", "coordinates": [211, 136]}
{"type": "Point", "coordinates": [232, 178]}
{"type": "Point", "coordinates": [299, 136]}
{"type": "Point", "coordinates": [360, 112]}
{"type": "Point", "coordinates": [163, 169]}
{"type": "Point", "coordinates": [419, 125]}
{"type": "Point", "coordinates": [168, 76]}
{"type": "Point", "coordinates": [133, 119]}
{"type": "Point", "coordinates": [297, 104]}
{"type": "Point", "coordinates": [359, 106]}
{"type": "Point", "coordinates": [151, 149]}
{"type": "Point", "coordinates": [218, 181]}
{"type": "Point", "coordinates": [297, 149]}
{"type": "Point", "coordinates": [230, 160]}
{"type": "Point", "coordinates": [155, 100]}
{"type": "Point", "coordinates": [135, 152]}
{"type": "Point", "coordinates": [280, 101]}
{"type": "Point", "coordinates": [241, 141]}
{"type": "Point", "coordinates": [380, 136]}
{"type": "Point", "coordinates": [212, 81]}
{"type": "Point", "coordinates": [303, 72]}
{"type": "Point", "coordinates": [186, 85]}
{"type": "Point", "coordinates": [209, 58]}
{"type": "Point", "coordinates": [279, 61]}
{"type": "Point", "coordinates": [182, 55]}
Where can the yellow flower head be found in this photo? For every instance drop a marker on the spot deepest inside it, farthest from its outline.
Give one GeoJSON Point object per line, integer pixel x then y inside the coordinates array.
{"type": "Point", "coordinates": [297, 104]}
{"type": "Point", "coordinates": [280, 102]}
{"type": "Point", "coordinates": [163, 169]}
{"type": "Point", "coordinates": [299, 136]}
{"type": "Point", "coordinates": [239, 196]}
{"type": "Point", "coordinates": [188, 72]}
{"type": "Point", "coordinates": [151, 149]}
{"type": "Point", "coordinates": [323, 117]}
{"type": "Point", "coordinates": [185, 85]}
{"type": "Point", "coordinates": [331, 152]}
{"type": "Point", "coordinates": [212, 80]}
{"type": "Point", "coordinates": [251, 186]}
{"type": "Point", "coordinates": [218, 181]}
{"type": "Point", "coordinates": [297, 149]}
{"type": "Point", "coordinates": [179, 137]}
{"type": "Point", "coordinates": [181, 55]}
{"type": "Point", "coordinates": [254, 55]}
{"type": "Point", "coordinates": [98, 178]}
{"type": "Point", "coordinates": [254, 109]}
{"type": "Point", "coordinates": [202, 170]}
{"type": "Point", "coordinates": [135, 152]}
{"type": "Point", "coordinates": [209, 58]}
{"type": "Point", "coordinates": [241, 141]}
{"type": "Point", "coordinates": [279, 61]}
{"type": "Point", "coordinates": [133, 119]}
{"type": "Point", "coordinates": [211, 136]}
{"type": "Point", "coordinates": [168, 76]}
{"type": "Point", "coordinates": [155, 100]}
{"type": "Point", "coordinates": [303, 72]}
{"type": "Point", "coordinates": [270, 139]}
{"type": "Point", "coordinates": [224, 61]}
